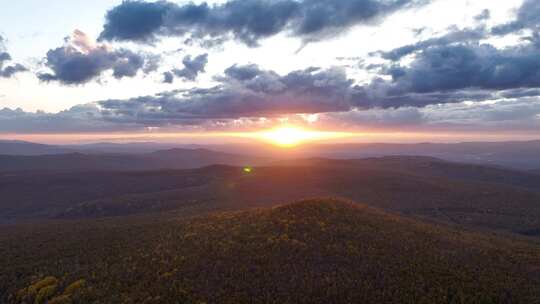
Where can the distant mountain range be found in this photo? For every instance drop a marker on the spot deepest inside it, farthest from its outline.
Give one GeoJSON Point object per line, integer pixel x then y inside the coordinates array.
{"type": "Point", "coordinates": [9, 147]}
{"type": "Point", "coordinates": [523, 155]}
{"type": "Point", "coordinates": [166, 159]}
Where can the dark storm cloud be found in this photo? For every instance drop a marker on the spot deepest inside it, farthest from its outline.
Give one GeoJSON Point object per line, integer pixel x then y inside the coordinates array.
{"type": "Point", "coordinates": [80, 61]}
{"type": "Point", "coordinates": [528, 17]}
{"type": "Point", "coordinates": [245, 20]}
{"type": "Point", "coordinates": [192, 68]}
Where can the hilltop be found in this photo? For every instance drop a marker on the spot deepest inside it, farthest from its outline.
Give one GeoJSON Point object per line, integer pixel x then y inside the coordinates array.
{"type": "Point", "coordinates": [312, 251]}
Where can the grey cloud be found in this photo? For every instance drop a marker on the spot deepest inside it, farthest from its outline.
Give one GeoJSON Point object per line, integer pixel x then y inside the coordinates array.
{"type": "Point", "coordinates": [192, 68]}
{"type": "Point", "coordinates": [484, 15]}
{"type": "Point", "coordinates": [245, 72]}
{"type": "Point", "coordinates": [264, 94]}
{"type": "Point", "coordinates": [168, 77]}
{"type": "Point", "coordinates": [80, 118]}
{"type": "Point", "coordinates": [506, 115]}
{"type": "Point", "coordinates": [528, 16]}
{"type": "Point", "coordinates": [4, 56]}
{"type": "Point", "coordinates": [7, 71]}
{"type": "Point", "coordinates": [80, 61]}
{"type": "Point", "coordinates": [453, 36]}
{"type": "Point", "coordinates": [250, 91]}
{"type": "Point", "coordinates": [11, 70]}
{"type": "Point", "coordinates": [375, 118]}
{"type": "Point", "coordinates": [457, 72]}
{"type": "Point", "coordinates": [519, 93]}
{"type": "Point", "coordinates": [245, 20]}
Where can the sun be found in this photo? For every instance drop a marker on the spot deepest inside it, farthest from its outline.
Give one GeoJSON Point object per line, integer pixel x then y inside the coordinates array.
{"type": "Point", "coordinates": [290, 136]}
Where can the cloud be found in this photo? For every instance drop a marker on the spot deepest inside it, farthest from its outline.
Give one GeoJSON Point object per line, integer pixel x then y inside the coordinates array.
{"type": "Point", "coordinates": [245, 20]}
{"type": "Point", "coordinates": [484, 15]}
{"type": "Point", "coordinates": [192, 68]}
{"type": "Point", "coordinates": [528, 17]}
{"type": "Point", "coordinates": [504, 115]}
{"type": "Point", "coordinates": [469, 66]}
{"type": "Point", "coordinates": [458, 72]}
{"type": "Point", "coordinates": [455, 35]}
{"type": "Point", "coordinates": [11, 70]}
{"type": "Point", "coordinates": [519, 115]}
{"type": "Point", "coordinates": [244, 72]}
{"type": "Point", "coordinates": [262, 93]}
{"type": "Point", "coordinates": [168, 77]}
{"type": "Point", "coordinates": [374, 118]}
{"type": "Point", "coordinates": [80, 118]}
{"type": "Point", "coordinates": [248, 91]}
{"type": "Point", "coordinates": [81, 60]}
{"type": "Point", "coordinates": [7, 71]}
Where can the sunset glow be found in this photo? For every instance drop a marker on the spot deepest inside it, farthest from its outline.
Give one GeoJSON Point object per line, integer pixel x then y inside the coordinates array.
{"type": "Point", "coordinates": [291, 136]}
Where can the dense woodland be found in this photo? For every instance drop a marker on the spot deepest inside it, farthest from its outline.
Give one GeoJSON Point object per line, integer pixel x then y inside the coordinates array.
{"type": "Point", "coordinates": [315, 251]}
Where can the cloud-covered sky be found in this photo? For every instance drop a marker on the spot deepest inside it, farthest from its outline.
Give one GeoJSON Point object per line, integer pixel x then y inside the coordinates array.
{"type": "Point", "coordinates": [359, 65]}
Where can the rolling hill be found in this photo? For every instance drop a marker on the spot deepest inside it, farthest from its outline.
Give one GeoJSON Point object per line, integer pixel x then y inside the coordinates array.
{"type": "Point", "coordinates": [315, 251]}
{"type": "Point", "coordinates": [468, 195]}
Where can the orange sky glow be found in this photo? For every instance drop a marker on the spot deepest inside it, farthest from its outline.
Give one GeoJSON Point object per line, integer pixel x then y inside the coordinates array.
{"type": "Point", "coordinates": [286, 136]}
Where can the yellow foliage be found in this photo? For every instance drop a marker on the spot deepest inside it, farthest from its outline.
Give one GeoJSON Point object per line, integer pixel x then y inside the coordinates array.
{"type": "Point", "coordinates": [21, 294]}
{"type": "Point", "coordinates": [45, 293]}
{"type": "Point", "coordinates": [47, 281]}
{"type": "Point", "coordinates": [74, 287]}
{"type": "Point", "coordinates": [63, 299]}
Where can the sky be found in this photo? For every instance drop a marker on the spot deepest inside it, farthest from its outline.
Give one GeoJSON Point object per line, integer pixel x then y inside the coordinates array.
{"type": "Point", "coordinates": [385, 70]}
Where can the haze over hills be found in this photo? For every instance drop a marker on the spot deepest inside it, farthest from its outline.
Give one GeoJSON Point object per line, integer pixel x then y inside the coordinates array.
{"type": "Point", "coordinates": [127, 148]}
{"type": "Point", "coordinates": [521, 155]}
{"type": "Point", "coordinates": [12, 147]}
{"type": "Point", "coordinates": [166, 159]}
{"type": "Point", "coordinates": [317, 251]}
{"type": "Point", "coordinates": [471, 195]}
